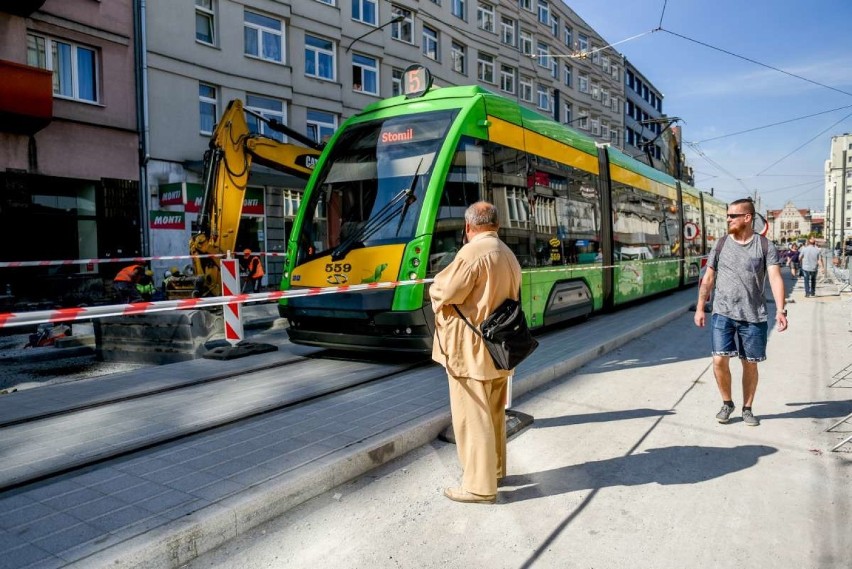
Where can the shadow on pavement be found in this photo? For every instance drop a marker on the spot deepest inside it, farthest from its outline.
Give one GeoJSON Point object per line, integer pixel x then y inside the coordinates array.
{"type": "Point", "coordinates": [666, 466]}
{"type": "Point", "coordinates": [602, 417]}
{"type": "Point", "coordinates": [815, 410]}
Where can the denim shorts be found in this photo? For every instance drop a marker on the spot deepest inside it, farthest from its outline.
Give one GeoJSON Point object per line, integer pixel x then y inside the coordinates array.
{"type": "Point", "coordinates": [747, 340]}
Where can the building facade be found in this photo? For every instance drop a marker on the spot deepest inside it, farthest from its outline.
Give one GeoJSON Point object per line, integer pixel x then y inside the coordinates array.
{"type": "Point", "coordinates": [69, 165]}
{"type": "Point", "coordinates": [313, 63]}
{"type": "Point", "coordinates": [788, 224]}
{"type": "Point", "coordinates": [130, 92]}
{"type": "Point", "coordinates": [838, 191]}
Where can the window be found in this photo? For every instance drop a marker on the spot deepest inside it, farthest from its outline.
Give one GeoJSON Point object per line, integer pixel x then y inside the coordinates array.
{"type": "Point", "coordinates": [526, 86]}
{"type": "Point", "coordinates": [526, 42]}
{"type": "Point", "coordinates": [583, 83]}
{"type": "Point", "coordinates": [596, 127]}
{"type": "Point", "coordinates": [319, 58]}
{"type": "Point", "coordinates": [605, 64]}
{"type": "Point", "coordinates": [204, 21]}
{"type": "Point", "coordinates": [554, 68]}
{"type": "Point", "coordinates": [207, 107]}
{"type": "Point", "coordinates": [543, 97]}
{"type": "Point", "coordinates": [458, 9]}
{"type": "Point", "coordinates": [567, 75]}
{"type": "Point", "coordinates": [543, 12]}
{"type": "Point", "coordinates": [526, 5]}
{"type": "Point", "coordinates": [605, 97]}
{"type": "Point", "coordinates": [583, 42]}
{"type": "Point", "coordinates": [264, 36]}
{"type": "Point", "coordinates": [485, 17]}
{"type": "Point", "coordinates": [75, 67]}
{"type": "Point", "coordinates": [507, 79]}
{"type": "Point", "coordinates": [604, 130]}
{"type": "Point", "coordinates": [365, 74]}
{"type": "Point", "coordinates": [268, 108]}
{"type": "Point", "coordinates": [507, 27]}
{"type": "Point", "coordinates": [583, 119]}
{"type": "Point", "coordinates": [568, 111]}
{"type": "Point", "coordinates": [596, 92]}
{"type": "Point", "coordinates": [596, 55]}
{"type": "Point", "coordinates": [615, 72]}
{"type": "Point", "coordinates": [396, 82]}
{"type": "Point", "coordinates": [404, 30]}
{"type": "Point", "coordinates": [364, 11]}
{"type": "Point", "coordinates": [430, 43]}
{"type": "Point", "coordinates": [485, 67]}
{"type": "Point", "coordinates": [554, 25]}
{"type": "Point", "coordinates": [321, 125]}
{"type": "Point", "coordinates": [543, 51]}
{"type": "Point", "coordinates": [567, 37]}
{"type": "Point", "coordinates": [457, 55]}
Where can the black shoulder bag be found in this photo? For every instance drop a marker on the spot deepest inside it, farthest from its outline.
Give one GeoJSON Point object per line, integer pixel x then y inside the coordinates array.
{"type": "Point", "coordinates": [505, 334]}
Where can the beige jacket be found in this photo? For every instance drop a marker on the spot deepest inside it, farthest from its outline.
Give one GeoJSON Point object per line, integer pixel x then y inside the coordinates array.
{"type": "Point", "coordinates": [483, 274]}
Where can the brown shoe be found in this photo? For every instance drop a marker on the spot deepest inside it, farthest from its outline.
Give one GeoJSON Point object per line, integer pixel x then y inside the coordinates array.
{"type": "Point", "coordinates": [462, 495]}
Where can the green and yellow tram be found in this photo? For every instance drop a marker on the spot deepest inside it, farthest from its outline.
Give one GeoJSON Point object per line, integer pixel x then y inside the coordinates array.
{"type": "Point", "coordinates": [591, 227]}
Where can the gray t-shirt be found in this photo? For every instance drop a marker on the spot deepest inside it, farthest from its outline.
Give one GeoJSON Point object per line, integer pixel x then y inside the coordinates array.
{"type": "Point", "coordinates": [809, 257]}
{"type": "Point", "coordinates": [741, 278]}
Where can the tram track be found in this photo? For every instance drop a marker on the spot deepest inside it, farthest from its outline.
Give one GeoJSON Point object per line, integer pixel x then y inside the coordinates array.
{"type": "Point", "coordinates": [74, 437]}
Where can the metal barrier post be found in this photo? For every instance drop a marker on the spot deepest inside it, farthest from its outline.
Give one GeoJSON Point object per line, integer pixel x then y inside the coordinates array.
{"type": "Point", "coordinates": [233, 311]}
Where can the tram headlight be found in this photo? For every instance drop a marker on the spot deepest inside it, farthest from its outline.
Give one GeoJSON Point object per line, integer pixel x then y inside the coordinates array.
{"type": "Point", "coordinates": [415, 262]}
{"type": "Point", "coordinates": [412, 276]}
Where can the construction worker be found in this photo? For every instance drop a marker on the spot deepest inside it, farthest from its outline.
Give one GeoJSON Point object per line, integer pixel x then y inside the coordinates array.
{"type": "Point", "coordinates": [254, 272]}
{"type": "Point", "coordinates": [145, 286]}
{"type": "Point", "coordinates": [173, 273]}
{"type": "Point", "coordinates": [124, 283]}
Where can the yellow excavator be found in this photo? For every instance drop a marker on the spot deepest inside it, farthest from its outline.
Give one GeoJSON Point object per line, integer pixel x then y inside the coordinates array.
{"type": "Point", "coordinates": [181, 335]}
{"type": "Point", "coordinates": [227, 164]}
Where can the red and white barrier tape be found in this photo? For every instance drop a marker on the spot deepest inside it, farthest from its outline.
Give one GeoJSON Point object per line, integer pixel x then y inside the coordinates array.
{"type": "Point", "coordinates": [135, 260]}
{"type": "Point", "coordinates": [10, 319]}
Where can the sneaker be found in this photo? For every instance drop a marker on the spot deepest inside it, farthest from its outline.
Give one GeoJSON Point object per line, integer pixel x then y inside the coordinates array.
{"type": "Point", "coordinates": [749, 419]}
{"type": "Point", "coordinates": [724, 415]}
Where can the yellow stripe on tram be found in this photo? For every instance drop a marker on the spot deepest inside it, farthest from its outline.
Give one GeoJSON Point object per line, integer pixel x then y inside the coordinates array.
{"type": "Point", "coordinates": [514, 136]}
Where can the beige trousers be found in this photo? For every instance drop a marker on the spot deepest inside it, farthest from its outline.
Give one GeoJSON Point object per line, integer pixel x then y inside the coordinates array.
{"type": "Point", "coordinates": [479, 425]}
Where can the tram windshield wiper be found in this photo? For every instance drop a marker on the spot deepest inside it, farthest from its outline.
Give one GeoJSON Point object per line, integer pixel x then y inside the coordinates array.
{"type": "Point", "coordinates": [398, 206]}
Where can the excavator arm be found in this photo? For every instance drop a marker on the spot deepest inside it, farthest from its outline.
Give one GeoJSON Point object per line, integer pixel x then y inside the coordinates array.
{"type": "Point", "coordinates": [227, 164]}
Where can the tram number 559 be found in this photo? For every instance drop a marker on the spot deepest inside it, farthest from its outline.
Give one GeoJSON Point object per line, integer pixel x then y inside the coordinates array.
{"type": "Point", "coordinates": [337, 273]}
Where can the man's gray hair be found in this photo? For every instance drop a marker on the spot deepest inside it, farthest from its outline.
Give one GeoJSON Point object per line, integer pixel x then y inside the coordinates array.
{"type": "Point", "coordinates": [481, 214]}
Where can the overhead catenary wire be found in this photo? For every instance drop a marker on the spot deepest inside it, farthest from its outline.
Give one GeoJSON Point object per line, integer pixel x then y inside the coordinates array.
{"type": "Point", "coordinates": [804, 144]}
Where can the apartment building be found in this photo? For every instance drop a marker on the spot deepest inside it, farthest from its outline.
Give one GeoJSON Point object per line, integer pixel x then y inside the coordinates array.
{"type": "Point", "coordinates": [69, 166]}
{"type": "Point", "coordinates": [644, 120]}
{"type": "Point", "coordinates": [313, 63]}
{"type": "Point", "coordinates": [838, 190]}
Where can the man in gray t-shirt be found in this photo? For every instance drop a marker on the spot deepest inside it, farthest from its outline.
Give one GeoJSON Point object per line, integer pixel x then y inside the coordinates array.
{"type": "Point", "coordinates": [738, 266]}
{"type": "Point", "coordinates": [811, 262]}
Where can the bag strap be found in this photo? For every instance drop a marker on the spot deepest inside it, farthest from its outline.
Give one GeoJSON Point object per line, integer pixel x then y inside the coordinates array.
{"type": "Point", "coordinates": [466, 321]}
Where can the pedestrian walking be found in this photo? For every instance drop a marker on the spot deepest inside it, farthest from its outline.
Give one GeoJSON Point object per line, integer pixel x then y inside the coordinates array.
{"type": "Point", "coordinates": [793, 261]}
{"type": "Point", "coordinates": [811, 263]}
{"type": "Point", "coordinates": [738, 266]}
{"type": "Point", "coordinates": [124, 283]}
{"type": "Point", "coordinates": [254, 272]}
{"type": "Point", "coordinates": [483, 274]}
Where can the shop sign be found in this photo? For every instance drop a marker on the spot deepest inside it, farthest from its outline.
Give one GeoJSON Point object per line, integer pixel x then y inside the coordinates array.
{"type": "Point", "coordinates": [167, 220]}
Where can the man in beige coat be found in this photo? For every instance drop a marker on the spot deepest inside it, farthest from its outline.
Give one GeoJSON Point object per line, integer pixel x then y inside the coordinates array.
{"type": "Point", "coordinates": [483, 274]}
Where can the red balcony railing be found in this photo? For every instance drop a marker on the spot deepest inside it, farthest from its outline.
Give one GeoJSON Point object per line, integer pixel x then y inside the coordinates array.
{"type": "Point", "coordinates": [26, 98]}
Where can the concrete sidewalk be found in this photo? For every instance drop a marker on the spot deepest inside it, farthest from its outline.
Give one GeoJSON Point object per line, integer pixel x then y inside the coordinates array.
{"type": "Point", "coordinates": [624, 466]}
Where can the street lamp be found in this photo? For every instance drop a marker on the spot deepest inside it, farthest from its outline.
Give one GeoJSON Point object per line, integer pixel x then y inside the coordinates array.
{"type": "Point", "coordinates": [395, 20]}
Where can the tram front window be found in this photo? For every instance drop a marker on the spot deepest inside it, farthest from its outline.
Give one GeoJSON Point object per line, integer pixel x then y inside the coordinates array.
{"type": "Point", "coordinates": [370, 190]}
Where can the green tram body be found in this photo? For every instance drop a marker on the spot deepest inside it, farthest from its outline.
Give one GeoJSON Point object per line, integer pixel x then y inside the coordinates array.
{"type": "Point", "coordinates": [387, 198]}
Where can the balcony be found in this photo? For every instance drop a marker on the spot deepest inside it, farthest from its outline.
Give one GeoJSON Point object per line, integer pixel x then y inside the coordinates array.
{"type": "Point", "coordinates": [20, 7]}
{"type": "Point", "coordinates": [26, 98]}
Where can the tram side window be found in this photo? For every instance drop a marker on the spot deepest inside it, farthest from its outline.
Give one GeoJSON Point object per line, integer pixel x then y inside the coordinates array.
{"type": "Point", "coordinates": [644, 224]}
{"type": "Point", "coordinates": [465, 183]}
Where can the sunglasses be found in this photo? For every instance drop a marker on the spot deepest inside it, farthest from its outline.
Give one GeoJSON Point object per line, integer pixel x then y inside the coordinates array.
{"type": "Point", "coordinates": [736, 215]}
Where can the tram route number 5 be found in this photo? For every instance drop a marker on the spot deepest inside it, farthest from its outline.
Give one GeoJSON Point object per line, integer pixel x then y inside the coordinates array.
{"type": "Point", "coordinates": [416, 80]}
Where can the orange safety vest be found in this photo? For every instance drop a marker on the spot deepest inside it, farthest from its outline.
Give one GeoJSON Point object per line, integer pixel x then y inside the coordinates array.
{"type": "Point", "coordinates": [125, 275]}
{"type": "Point", "coordinates": [255, 270]}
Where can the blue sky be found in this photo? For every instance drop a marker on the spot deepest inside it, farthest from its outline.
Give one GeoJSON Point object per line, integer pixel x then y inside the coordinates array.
{"type": "Point", "coordinates": [718, 94]}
